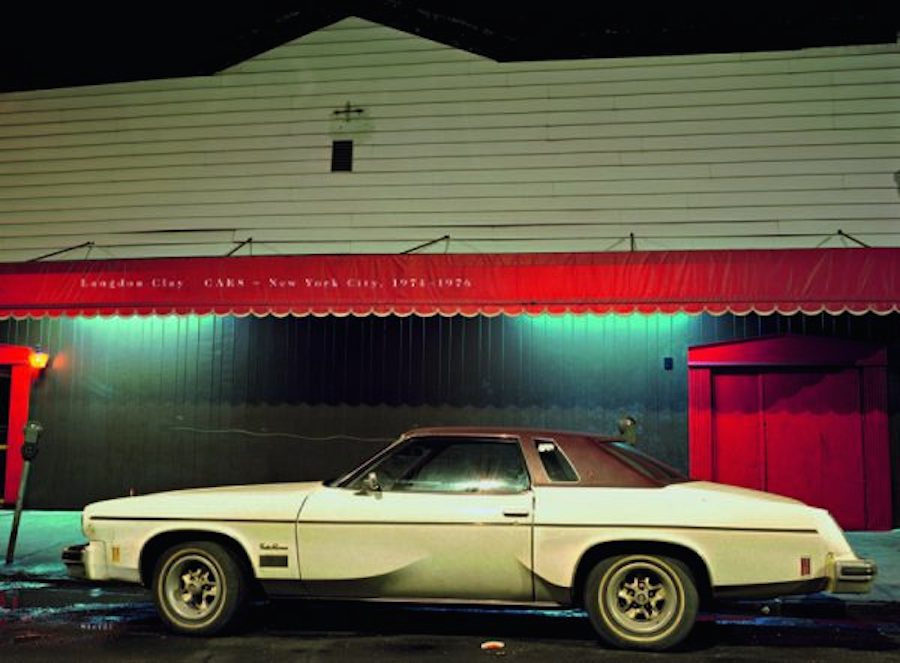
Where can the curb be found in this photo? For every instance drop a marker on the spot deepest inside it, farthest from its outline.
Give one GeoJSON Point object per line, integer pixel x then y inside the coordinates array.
{"type": "Point", "coordinates": [813, 607]}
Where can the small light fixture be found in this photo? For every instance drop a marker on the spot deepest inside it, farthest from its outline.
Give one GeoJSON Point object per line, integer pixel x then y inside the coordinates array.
{"type": "Point", "coordinates": [38, 359]}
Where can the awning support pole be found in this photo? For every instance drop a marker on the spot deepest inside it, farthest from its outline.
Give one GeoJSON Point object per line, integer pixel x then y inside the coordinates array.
{"type": "Point", "coordinates": [853, 239]}
{"type": "Point", "coordinates": [426, 244]}
{"type": "Point", "coordinates": [61, 251]}
{"type": "Point", "coordinates": [241, 245]}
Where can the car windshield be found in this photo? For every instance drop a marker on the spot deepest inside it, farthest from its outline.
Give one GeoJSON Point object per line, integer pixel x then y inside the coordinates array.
{"type": "Point", "coordinates": [645, 464]}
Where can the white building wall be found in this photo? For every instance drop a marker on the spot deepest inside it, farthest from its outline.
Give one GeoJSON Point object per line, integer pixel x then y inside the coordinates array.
{"type": "Point", "coordinates": [777, 149]}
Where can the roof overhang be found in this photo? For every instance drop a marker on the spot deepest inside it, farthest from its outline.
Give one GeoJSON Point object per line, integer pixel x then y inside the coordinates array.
{"type": "Point", "coordinates": [811, 281]}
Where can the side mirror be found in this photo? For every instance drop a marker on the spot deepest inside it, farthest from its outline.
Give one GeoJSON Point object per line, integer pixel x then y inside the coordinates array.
{"type": "Point", "coordinates": [371, 483]}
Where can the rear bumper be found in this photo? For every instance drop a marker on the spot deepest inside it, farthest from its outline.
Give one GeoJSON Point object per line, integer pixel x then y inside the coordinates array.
{"type": "Point", "coordinates": [851, 576]}
{"type": "Point", "coordinates": [843, 575]}
{"type": "Point", "coordinates": [86, 561]}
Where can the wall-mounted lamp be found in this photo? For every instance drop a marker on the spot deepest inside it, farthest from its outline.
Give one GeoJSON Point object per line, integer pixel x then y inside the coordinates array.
{"type": "Point", "coordinates": [38, 359]}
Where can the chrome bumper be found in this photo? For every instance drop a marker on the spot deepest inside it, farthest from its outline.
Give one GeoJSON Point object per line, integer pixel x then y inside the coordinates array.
{"type": "Point", "coordinates": [73, 558]}
{"type": "Point", "coordinates": [853, 576]}
{"type": "Point", "coordinates": [86, 561]}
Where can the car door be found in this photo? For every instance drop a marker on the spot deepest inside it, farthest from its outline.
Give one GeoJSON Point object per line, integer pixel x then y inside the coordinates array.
{"type": "Point", "coordinates": [450, 519]}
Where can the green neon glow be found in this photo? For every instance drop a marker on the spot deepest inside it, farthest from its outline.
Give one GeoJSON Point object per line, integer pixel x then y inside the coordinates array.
{"type": "Point", "coordinates": [568, 324]}
{"type": "Point", "coordinates": [127, 350]}
{"type": "Point", "coordinates": [116, 330]}
{"type": "Point", "coordinates": [589, 337]}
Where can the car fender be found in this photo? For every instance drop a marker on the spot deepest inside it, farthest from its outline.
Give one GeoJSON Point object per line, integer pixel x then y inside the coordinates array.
{"type": "Point", "coordinates": [560, 551]}
{"type": "Point", "coordinates": [269, 547]}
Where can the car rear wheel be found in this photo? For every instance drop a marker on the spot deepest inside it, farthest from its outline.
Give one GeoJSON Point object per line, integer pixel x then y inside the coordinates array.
{"type": "Point", "coordinates": [199, 587]}
{"type": "Point", "coordinates": [641, 601]}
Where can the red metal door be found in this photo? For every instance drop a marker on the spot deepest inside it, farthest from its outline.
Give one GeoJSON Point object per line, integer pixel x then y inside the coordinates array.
{"type": "Point", "coordinates": [804, 416]}
{"type": "Point", "coordinates": [792, 432]}
{"type": "Point", "coordinates": [737, 430]}
{"type": "Point", "coordinates": [813, 438]}
{"type": "Point", "coordinates": [5, 384]}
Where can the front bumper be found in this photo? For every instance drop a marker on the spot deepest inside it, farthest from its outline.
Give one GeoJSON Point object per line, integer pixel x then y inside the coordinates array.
{"type": "Point", "coordinates": [73, 558]}
{"type": "Point", "coordinates": [851, 576]}
{"type": "Point", "coordinates": [86, 561]}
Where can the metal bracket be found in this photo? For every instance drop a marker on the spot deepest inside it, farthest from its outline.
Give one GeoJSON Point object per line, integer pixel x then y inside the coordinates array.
{"type": "Point", "coordinates": [426, 244]}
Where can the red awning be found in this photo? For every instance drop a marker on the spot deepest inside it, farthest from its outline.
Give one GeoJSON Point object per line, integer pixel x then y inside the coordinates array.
{"type": "Point", "coordinates": [856, 280]}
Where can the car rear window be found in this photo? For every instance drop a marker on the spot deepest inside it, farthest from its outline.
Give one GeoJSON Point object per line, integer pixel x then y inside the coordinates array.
{"type": "Point", "coordinates": [556, 465]}
{"type": "Point", "coordinates": [645, 464]}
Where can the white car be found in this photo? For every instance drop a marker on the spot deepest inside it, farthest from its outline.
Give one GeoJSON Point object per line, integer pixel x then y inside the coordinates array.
{"type": "Point", "coordinates": [476, 515]}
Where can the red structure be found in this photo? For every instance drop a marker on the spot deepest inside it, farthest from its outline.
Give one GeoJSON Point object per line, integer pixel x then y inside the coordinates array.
{"type": "Point", "coordinates": [804, 417]}
{"type": "Point", "coordinates": [20, 359]}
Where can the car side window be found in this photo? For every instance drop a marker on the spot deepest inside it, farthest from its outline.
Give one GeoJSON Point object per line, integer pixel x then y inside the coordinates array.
{"type": "Point", "coordinates": [556, 465]}
{"type": "Point", "coordinates": [453, 465]}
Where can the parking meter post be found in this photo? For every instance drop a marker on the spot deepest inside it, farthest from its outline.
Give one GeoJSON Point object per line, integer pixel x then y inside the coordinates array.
{"type": "Point", "coordinates": [17, 516]}
{"type": "Point", "coordinates": [29, 452]}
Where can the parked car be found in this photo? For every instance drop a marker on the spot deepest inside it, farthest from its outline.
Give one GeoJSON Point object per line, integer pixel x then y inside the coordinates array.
{"type": "Point", "coordinates": [475, 515]}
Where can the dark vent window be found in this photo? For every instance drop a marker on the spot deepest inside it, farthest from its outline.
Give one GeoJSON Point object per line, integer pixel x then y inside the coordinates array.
{"type": "Point", "coordinates": [555, 463]}
{"type": "Point", "coordinates": [342, 156]}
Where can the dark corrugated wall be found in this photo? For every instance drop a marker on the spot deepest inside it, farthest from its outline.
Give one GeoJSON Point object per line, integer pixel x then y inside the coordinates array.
{"type": "Point", "coordinates": [146, 404]}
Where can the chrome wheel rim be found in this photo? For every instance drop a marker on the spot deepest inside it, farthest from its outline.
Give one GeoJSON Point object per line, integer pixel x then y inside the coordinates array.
{"type": "Point", "coordinates": [642, 597]}
{"type": "Point", "coordinates": [193, 587]}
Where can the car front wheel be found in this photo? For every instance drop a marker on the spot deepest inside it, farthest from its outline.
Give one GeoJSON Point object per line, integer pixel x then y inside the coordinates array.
{"type": "Point", "coordinates": [640, 601]}
{"type": "Point", "coordinates": [199, 587]}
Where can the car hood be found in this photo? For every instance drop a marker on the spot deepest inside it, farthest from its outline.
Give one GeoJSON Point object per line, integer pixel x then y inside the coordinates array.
{"type": "Point", "coordinates": [280, 501]}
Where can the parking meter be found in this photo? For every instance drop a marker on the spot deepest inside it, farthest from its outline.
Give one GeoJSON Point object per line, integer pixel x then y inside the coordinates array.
{"type": "Point", "coordinates": [33, 430]}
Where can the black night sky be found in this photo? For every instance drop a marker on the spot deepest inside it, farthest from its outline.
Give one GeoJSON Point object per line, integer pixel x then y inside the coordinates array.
{"type": "Point", "coordinates": [45, 45]}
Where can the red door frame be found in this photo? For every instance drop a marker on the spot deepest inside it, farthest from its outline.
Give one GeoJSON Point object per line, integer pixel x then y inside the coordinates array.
{"type": "Point", "coordinates": [805, 351]}
{"type": "Point", "coordinates": [16, 356]}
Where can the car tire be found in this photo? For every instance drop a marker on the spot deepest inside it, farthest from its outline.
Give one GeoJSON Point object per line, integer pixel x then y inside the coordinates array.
{"type": "Point", "coordinates": [199, 588]}
{"type": "Point", "coordinates": [638, 601]}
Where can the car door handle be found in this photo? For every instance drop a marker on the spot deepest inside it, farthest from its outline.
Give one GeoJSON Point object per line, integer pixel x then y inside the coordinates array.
{"type": "Point", "coordinates": [516, 513]}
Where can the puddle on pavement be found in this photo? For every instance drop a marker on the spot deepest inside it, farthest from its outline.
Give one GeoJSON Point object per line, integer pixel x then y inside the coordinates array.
{"type": "Point", "coordinates": [93, 608]}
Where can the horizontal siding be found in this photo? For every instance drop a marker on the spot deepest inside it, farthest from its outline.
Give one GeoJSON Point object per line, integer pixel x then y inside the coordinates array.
{"type": "Point", "coordinates": [293, 93]}
{"type": "Point", "coordinates": [568, 234]}
{"type": "Point", "coordinates": [825, 217]}
{"type": "Point", "coordinates": [111, 173]}
{"type": "Point", "coordinates": [433, 147]}
{"type": "Point", "coordinates": [380, 186]}
{"type": "Point", "coordinates": [471, 198]}
{"type": "Point", "coordinates": [785, 100]}
{"type": "Point", "coordinates": [720, 150]}
{"type": "Point", "coordinates": [449, 127]}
